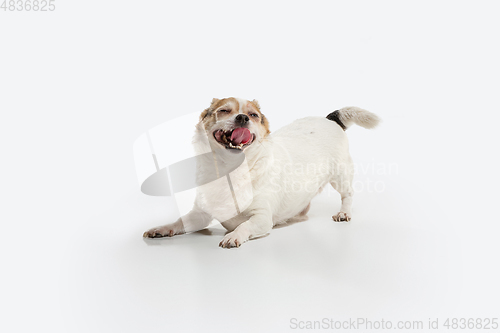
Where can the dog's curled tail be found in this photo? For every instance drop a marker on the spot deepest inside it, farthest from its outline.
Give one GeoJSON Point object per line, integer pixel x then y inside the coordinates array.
{"type": "Point", "coordinates": [345, 117]}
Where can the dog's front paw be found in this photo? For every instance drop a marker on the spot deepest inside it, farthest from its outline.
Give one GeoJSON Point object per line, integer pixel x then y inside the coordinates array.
{"type": "Point", "coordinates": [341, 217]}
{"type": "Point", "coordinates": [232, 239]}
{"type": "Point", "coordinates": [163, 231]}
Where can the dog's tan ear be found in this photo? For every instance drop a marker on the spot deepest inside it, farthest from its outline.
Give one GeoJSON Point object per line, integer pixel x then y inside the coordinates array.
{"type": "Point", "coordinates": [265, 123]}
{"type": "Point", "coordinates": [204, 113]}
{"type": "Point", "coordinates": [256, 103]}
{"type": "Point", "coordinates": [208, 111]}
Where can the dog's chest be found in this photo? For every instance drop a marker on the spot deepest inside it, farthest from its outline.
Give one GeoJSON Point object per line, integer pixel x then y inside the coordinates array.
{"type": "Point", "coordinates": [227, 196]}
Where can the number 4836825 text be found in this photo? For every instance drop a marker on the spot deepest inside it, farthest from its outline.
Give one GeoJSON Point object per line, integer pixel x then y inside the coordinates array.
{"type": "Point", "coordinates": [28, 5]}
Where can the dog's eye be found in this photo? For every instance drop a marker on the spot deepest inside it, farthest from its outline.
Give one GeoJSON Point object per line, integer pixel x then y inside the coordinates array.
{"type": "Point", "coordinates": [224, 110]}
{"type": "Point", "coordinates": [254, 115]}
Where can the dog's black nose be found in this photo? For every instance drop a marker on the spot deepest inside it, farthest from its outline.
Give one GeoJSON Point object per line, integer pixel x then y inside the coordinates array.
{"type": "Point", "coordinates": [242, 119]}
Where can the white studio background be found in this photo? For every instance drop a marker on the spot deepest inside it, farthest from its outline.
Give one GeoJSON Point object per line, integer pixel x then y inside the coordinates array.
{"type": "Point", "coordinates": [78, 85]}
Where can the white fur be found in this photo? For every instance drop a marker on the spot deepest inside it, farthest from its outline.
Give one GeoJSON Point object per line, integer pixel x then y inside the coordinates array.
{"type": "Point", "coordinates": [241, 103]}
{"type": "Point", "coordinates": [283, 172]}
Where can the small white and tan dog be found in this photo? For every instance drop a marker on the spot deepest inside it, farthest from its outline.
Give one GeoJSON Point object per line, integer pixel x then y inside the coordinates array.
{"type": "Point", "coordinates": [285, 169]}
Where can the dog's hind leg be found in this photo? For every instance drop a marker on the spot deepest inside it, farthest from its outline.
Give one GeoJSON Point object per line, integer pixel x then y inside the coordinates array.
{"type": "Point", "coordinates": [343, 184]}
{"type": "Point", "coordinates": [304, 212]}
{"type": "Point", "coordinates": [300, 217]}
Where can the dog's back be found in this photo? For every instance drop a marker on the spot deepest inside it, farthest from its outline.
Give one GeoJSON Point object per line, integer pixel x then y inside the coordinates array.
{"type": "Point", "coordinates": [310, 153]}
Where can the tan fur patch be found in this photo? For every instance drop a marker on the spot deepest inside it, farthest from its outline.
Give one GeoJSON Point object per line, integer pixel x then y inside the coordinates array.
{"type": "Point", "coordinates": [265, 123]}
{"type": "Point", "coordinates": [263, 119]}
{"type": "Point", "coordinates": [208, 116]}
{"type": "Point", "coordinates": [256, 104]}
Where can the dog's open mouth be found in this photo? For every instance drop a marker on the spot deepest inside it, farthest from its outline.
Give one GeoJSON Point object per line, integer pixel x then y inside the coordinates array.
{"type": "Point", "coordinates": [237, 138]}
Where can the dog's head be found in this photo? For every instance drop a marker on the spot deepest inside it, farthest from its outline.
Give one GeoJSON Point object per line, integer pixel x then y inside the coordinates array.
{"type": "Point", "coordinates": [234, 123]}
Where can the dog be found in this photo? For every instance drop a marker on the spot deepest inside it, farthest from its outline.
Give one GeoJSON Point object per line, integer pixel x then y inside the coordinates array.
{"type": "Point", "coordinates": [281, 173]}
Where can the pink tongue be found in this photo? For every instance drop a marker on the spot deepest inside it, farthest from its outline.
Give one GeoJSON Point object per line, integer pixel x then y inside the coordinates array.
{"type": "Point", "coordinates": [240, 136]}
